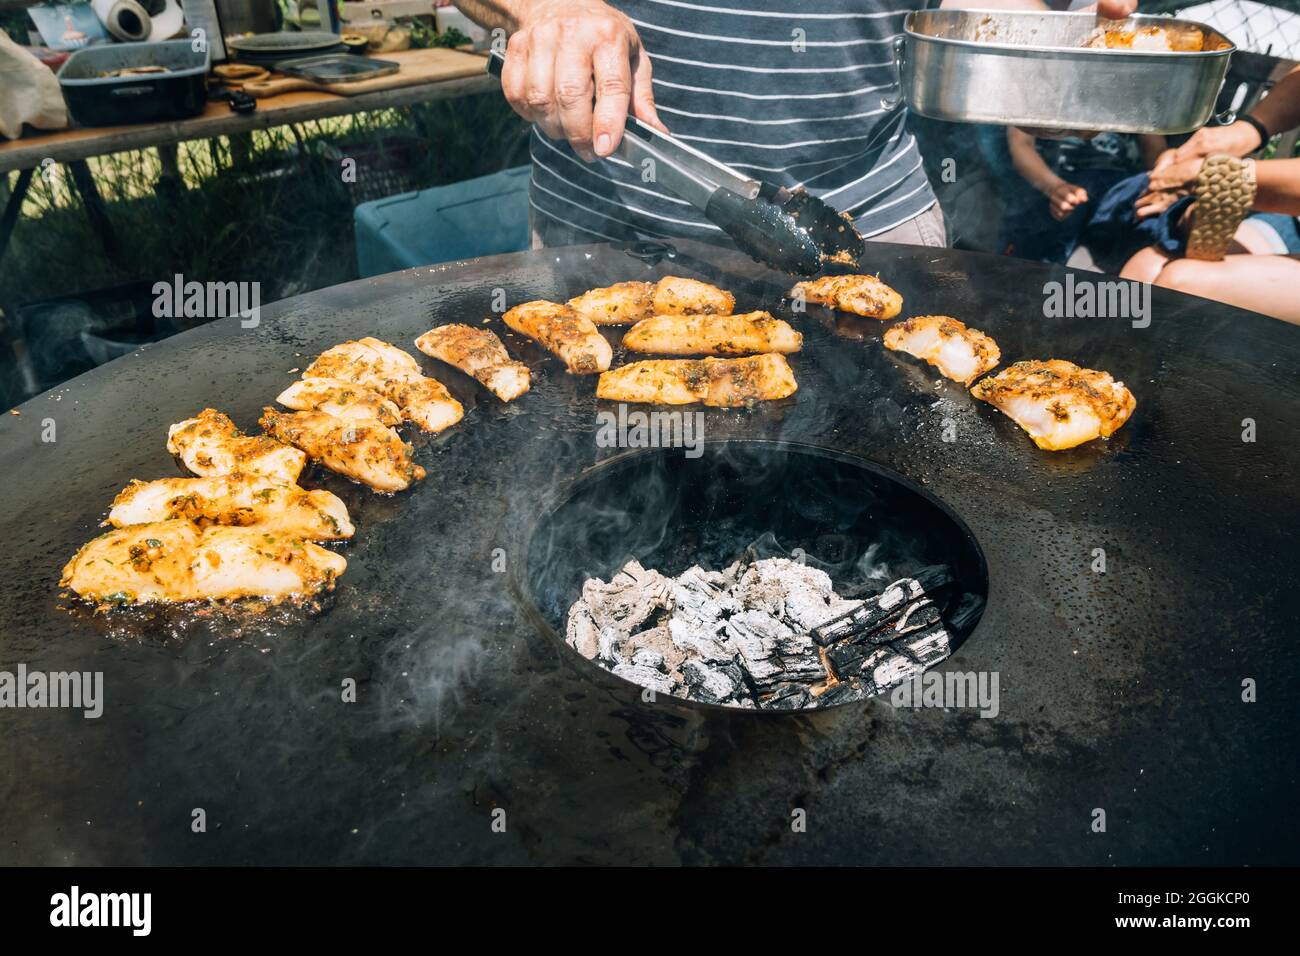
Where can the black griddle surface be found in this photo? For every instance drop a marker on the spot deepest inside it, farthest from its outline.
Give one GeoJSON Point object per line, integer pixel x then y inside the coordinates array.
{"type": "Point", "coordinates": [1119, 691]}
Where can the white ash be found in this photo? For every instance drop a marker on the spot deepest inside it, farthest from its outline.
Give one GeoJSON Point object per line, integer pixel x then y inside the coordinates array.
{"type": "Point", "coordinates": [755, 635]}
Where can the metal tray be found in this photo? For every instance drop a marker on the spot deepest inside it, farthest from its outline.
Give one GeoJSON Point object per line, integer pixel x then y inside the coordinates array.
{"type": "Point", "coordinates": [97, 100]}
{"type": "Point", "coordinates": [1032, 69]}
{"type": "Point", "coordinates": [337, 68]}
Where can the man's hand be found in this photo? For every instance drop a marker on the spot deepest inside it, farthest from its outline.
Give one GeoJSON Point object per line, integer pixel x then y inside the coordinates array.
{"type": "Point", "coordinates": [1115, 9]}
{"type": "Point", "coordinates": [1167, 186]}
{"type": "Point", "coordinates": [1064, 198]}
{"type": "Point", "coordinates": [1236, 139]}
{"type": "Point", "coordinates": [567, 53]}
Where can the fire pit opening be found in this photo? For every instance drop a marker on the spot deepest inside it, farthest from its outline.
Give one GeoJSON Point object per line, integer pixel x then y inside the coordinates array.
{"type": "Point", "coordinates": [758, 575]}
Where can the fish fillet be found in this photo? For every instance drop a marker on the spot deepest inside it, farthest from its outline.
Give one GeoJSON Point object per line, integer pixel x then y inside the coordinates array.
{"type": "Point", "coordinates": [724, 383]}
{"type": "Point", "coordinates": [743, 334]}
{"type": "Point", "coordinates": [242, 500]}
{"type": "Point", "coordinates": [1058, 403]}
{"type": "Point", "coordinates": [1149, 39]}
{"type": "Point", "coordinates": [626, 302]}
{"type": "Point", "coordinates": [559, 329]}
{"type": "Point", "coordinates": [210, 446]}
{"type": "Point", "coordinates": [478, 353]}
{"type": "Point", "coordinates": [956, 350]}
{"type": "Point", "coordinates": [341, 399]}
{"type": "Point", "coordinates": [861, 295]}
{"type": "Point", "coordinates": [394, 374]}
{"type": "Point", "coordinates": [368, 452]}
{"type": "Point", "coordinates": [174, 561]}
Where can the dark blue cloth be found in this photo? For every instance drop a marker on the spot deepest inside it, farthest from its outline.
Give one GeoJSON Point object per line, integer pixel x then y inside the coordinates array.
{"type": "Point", "coordinates": [1115, 221]}
{"type": "Point", "coordinates": [1036, 235]}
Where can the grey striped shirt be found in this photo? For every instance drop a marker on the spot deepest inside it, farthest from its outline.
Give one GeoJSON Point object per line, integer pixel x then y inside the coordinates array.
{"type": "Point", "coordinates": [784, 90]}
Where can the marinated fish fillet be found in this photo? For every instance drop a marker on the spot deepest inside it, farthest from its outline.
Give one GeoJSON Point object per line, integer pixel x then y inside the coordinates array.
{"type": "Point", "coordinates": [956, 350]}
{"type": "Point", "coordinates": [479, 353]}
{"type": "Point", "coordinates": [174, 561]}
{"type": "Point", "coordinates": [394, 374]}
{"type": "Point", "coordinates": [861, 295]}
{"type": "Point", "coordinates": [1150, 39]}
{"type": "Point", "coordinates": [210, 446]}
{"type": "Point", "coordinates": [241, 500]}
{"type": "Point", "coordinates": [561, 330]}
{"type": "Point", "coordinates": [626, 302]}
{"type": "Point", "coordinates": [674, 295]}
{"type": "Point", "coordinates": [743, 334]}
{"type": "Point", "coordinates": [725, 383]}
{"type": "Point", "coordinates": [1058, 403]}
{"type": "Point", "coordinates": [340, 399]}
{"type": "Point", "coordinates": [371, 453]}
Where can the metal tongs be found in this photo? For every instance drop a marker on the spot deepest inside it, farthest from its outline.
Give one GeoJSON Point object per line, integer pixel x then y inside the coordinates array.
{"type": "Point", "coordinates": [787, 229]}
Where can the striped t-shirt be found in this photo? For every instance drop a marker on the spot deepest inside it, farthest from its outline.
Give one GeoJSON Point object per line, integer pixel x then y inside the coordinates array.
{"type": "Point", "coordinates": [784, 90]}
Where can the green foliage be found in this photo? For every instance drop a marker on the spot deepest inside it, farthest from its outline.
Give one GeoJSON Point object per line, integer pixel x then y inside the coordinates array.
{"type": "Point", "coordinates": [266, 206]}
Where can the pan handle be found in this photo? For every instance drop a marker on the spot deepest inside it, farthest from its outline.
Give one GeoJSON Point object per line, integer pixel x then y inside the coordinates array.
{"type": "Point", "coordinates": [894, 100]}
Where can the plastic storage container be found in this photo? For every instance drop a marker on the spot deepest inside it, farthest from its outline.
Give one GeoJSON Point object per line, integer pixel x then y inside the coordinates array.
{"type": "Point", "coordinates": [479, 217]}
{"type": "Point", "coordinates": [98, 100]}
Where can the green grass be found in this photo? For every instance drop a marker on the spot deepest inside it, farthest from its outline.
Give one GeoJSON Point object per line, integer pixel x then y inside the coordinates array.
{"type": "Point", "coordinates": [266, 207]}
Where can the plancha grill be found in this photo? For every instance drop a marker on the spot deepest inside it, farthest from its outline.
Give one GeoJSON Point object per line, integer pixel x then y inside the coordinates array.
{"type": "Point", "coordinates": [1132, 586]}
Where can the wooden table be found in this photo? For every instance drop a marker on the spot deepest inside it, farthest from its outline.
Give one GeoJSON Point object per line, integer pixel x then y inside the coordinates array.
{"type": "Point", "coordinates": [457, 74]}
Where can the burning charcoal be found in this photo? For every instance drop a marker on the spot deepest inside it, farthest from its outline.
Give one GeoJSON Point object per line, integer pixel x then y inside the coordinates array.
{"type": "Point", "coordinates": [807, 669]}
{"type": "Point", "coordinates": [700, 595]}
{"type": "Point", "coordinates": [581, 633]}
{"type": "Point", "coordinates": [793, 592]}
{"type": "Point", "coordinates": [647, 677]}
{"type": "Point", "coordinates": [869, 616]}
{"type": "Point", "coordinates": [917, 616]}
{"type": "Point", "coordinates": [894, 669]}
{"type": "Point", "coordinates": [755, 635]}
{"type": "Point", "coordinates": [787, 696]}
{"type": "Point", "coordinates": [851, 659]}
{"type": "Point", "coordinates": [713, 685]}
{"type": "Point", "coordinates": [656, 640]}
{"type": "Point", "coordinates": [628, 600]}
{"type": "Point", "coordinates": [704, 642]}
{"type": "Point", "coordinates": [845, 691]}
{"type": "Point", "coordinates": [649, 659]}
{"type": "Point", "coordinates": [793, 643]}
{"type": "Point", "coordinates": [770, 634]}
{"type": "Point", "coordinates": [928, 647]}
{"type": "Point", "coordinates": [611, 646]}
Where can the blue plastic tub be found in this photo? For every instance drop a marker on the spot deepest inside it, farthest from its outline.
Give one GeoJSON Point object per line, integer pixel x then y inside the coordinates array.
{"type": "Point", "coordinates": [479, 217]}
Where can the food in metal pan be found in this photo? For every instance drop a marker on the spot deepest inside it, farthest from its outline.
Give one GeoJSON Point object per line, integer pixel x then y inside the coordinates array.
{"type": "Point", "coordinates": [210, 445]}
{"type": "Point", "coordinates": [745, 334]}
{"type": "Point", "coordinates": [480, 354]}
{"type": "Point", "coordinates": [368, 452]}
{"type": "Point", "coordinates": [1058, 403]}
{"type": "Point", "coordinates": [341, 399]}
{"type": "Point", "coordinates": [394, 374]}
{"type": "Point", "coordinates": [724, 383]}
{"type": "Point", "coordinates": [241, 500]}
{"type": "Point", "coordinates": [956, 350]}
{"type": "Point", "coordinates": [859, 294]}
{"type": "Point", "coordinates": [1154, 39]}
{"type": "Point", "coordinates": [561, 330]}
{"type": "Point", "coordinates": [626, 302]}
{"type": "Point", "coordinates": [176, 561]}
